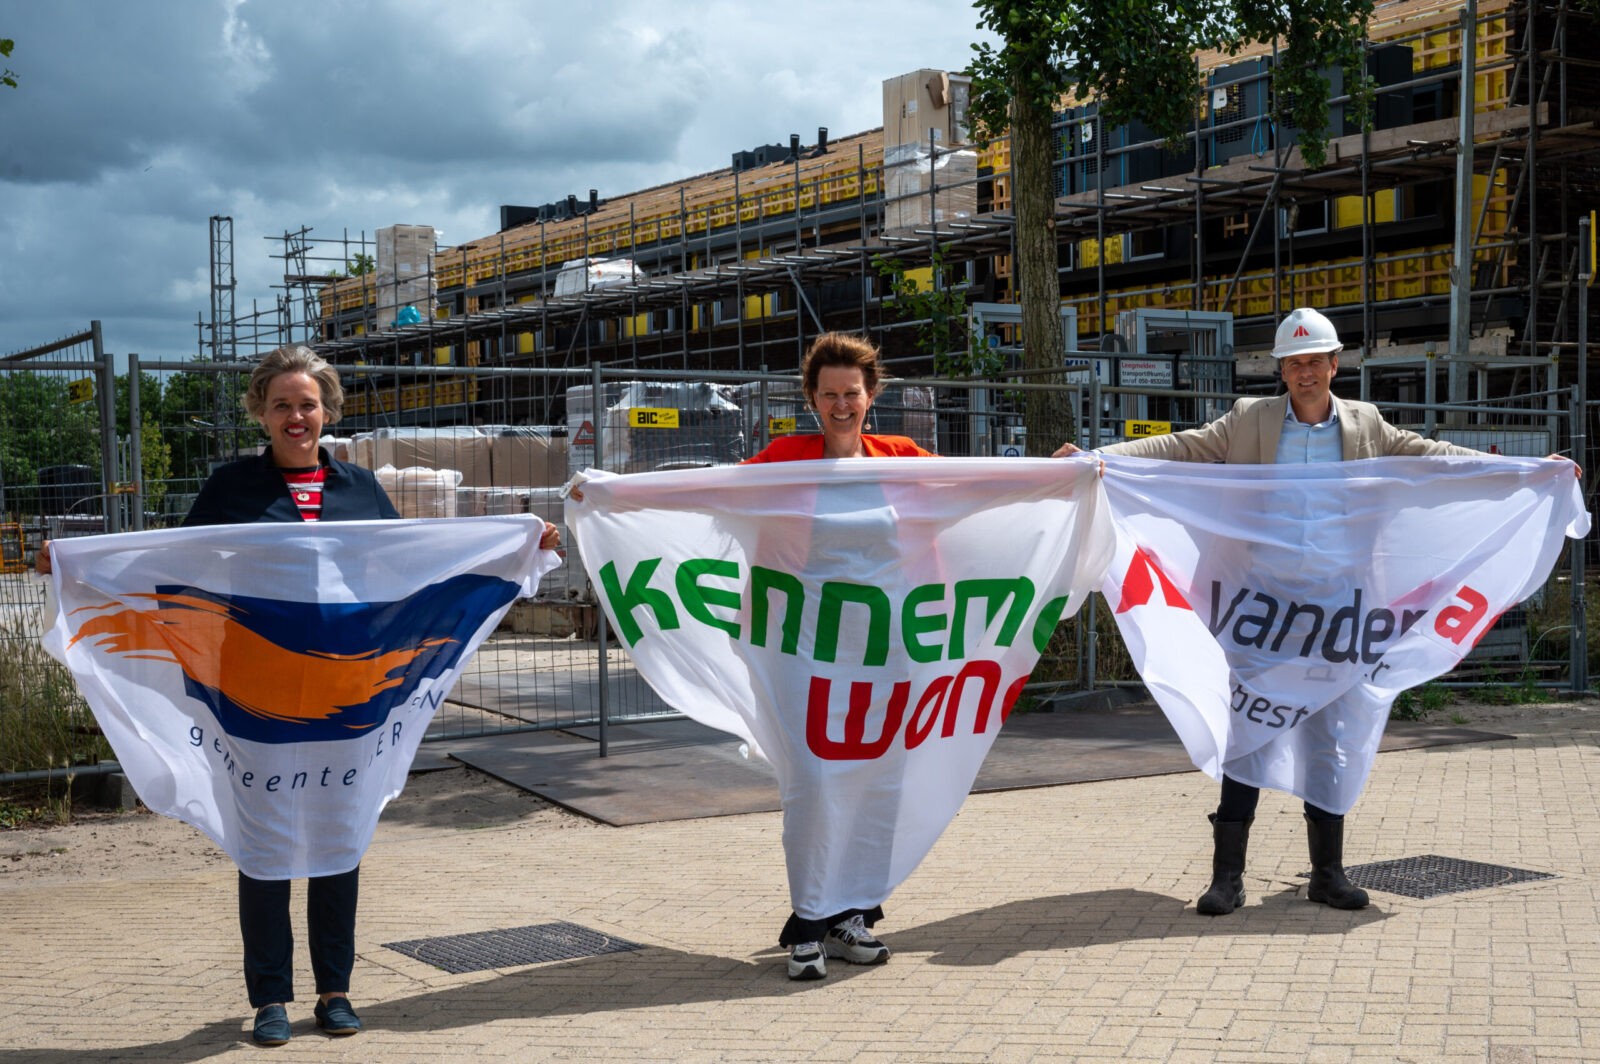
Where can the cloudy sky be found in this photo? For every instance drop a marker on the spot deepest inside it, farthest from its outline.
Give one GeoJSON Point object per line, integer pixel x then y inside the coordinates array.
{"type": "Point", "coordinates": [133, 123]}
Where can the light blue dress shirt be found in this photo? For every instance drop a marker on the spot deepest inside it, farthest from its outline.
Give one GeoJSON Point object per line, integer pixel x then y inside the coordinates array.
{"type": "Point", "coordinates": [1302, 444]}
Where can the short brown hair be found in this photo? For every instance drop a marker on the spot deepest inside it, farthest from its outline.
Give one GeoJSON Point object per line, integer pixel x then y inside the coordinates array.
{"type": "Point", "coordinates": [295, 358]}
{"type": "Point", "coordinates": [840, 349]}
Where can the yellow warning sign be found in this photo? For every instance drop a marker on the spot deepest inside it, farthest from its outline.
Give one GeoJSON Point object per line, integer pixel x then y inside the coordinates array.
{"type": "Point", "coordinates": [81, 390]}
{"type": "Point", "coordinates": [1136, 429]}
{"type": "Point", "coordinates": [653, 418]}
{"type": "Point", "coordinates": [781, 426]}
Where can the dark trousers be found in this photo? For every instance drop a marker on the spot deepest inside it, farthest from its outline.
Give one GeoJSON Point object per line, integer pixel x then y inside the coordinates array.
{"type": "Point", "coordinates": [1239, 803]}
{"type": "Point", "coordinates": [269, 942]}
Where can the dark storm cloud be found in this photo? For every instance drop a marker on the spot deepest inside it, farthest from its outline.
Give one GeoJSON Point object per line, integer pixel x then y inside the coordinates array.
{"type": "Point", "coordinates": [133, 123]}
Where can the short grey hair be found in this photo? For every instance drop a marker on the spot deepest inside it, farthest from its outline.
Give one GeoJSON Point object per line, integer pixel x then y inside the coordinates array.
{"type": "Point", "coordinates": [295, 358]}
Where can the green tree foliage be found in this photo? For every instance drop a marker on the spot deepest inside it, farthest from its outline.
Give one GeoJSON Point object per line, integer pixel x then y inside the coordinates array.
{"type": "Point", "coordinates": [1017, 88]}
{"type": "Point", "coordinates": [202, 420]}
{"type": "Point", "coordinates": [361, 264]}
{"type": "Point", "coordinates": [155, 452]}
{"type": "Point", "coordinates": [941, 316]}
{"type": "Point", "coordinates": [9, 78]}
{"type": "Point", "coordinates": [40, 427]}
{"type": "Point", "coordinates": [1137, 57]}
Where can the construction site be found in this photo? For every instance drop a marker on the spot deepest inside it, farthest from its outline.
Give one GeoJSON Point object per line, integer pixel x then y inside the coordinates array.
{"type": "Point", "coordinates": [1442, 238]}
{"type": "Point", "coordinates": [1448, 238]}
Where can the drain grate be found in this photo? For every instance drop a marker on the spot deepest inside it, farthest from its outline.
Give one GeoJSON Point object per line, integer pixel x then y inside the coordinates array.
{"type": "Point", "coordinates": [535, 944]}
{"type": "Point", "coordinates": [1430, 875]}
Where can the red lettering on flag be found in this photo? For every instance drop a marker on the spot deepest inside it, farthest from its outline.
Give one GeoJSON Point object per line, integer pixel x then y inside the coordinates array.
{"type": "Point", "coordinates": [1140, 583]}
{"type": "Point", "coordinates": [1456, 622]}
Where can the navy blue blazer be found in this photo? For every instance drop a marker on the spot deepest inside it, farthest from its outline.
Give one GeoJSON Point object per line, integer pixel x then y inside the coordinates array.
{"type": "Point", "coordinates": [252, 490]}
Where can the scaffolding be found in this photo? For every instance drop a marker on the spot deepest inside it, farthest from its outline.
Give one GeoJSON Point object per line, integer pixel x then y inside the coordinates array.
{"type": "Point", "coordinates": [1449, 222]}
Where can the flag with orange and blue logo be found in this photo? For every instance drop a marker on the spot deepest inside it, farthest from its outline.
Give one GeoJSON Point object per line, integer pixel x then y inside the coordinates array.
{"type": "Point", "coordinates": [270, 683]}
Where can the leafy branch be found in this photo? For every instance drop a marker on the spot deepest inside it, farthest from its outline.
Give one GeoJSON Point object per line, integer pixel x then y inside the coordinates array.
{"type": "Point", "coordinates": [941, 316]}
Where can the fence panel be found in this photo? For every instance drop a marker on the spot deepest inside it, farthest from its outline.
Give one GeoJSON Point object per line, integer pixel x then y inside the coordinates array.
{"type": "Point", "coordinates": [450, 442]}
{"type": "Point", "coordinates": [60, 475]}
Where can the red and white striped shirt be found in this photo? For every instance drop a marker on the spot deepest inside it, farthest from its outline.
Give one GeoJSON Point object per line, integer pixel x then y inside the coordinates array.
{"type": "Point", "coordinates": [305, 487]}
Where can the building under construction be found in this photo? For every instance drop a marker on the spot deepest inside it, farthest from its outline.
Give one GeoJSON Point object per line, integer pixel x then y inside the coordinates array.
{"type": "Point", "coordinates": [1175, 266]}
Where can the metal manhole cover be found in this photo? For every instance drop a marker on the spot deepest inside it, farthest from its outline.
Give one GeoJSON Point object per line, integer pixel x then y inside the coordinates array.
{"type": "Point", "coordinates": [1430, 875]}
{"type": "Point", "coordinates": [535, 944]}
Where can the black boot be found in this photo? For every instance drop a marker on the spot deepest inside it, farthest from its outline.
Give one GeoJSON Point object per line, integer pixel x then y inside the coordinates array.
{"type": "Point", "coordinates": [1226, 893]}
{"type": "Point", "coordinates": [1328, 882]}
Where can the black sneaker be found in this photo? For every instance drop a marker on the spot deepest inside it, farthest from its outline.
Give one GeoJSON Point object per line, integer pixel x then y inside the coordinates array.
{"type": "Point", "coordinates": [337, 1017]}
{"type": "Point", "coordinates": [272, 1026]}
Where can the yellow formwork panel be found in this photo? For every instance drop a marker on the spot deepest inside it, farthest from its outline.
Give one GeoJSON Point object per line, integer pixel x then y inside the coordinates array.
{"type": "Point", "coordinates": [922, 278]}
{"type": "Point", "coordinates": [1345, 283]}
{"type": "Point", "coordinates": [1089, 251]}
{"type": "Point", "coordinates": [636, 325]}
{"type": "Point", "coordinates": [757, 307]}
{"type": "Point", "coordinates": [1347, 209]}
{"type": "Point", "coordinates": [525, 343]}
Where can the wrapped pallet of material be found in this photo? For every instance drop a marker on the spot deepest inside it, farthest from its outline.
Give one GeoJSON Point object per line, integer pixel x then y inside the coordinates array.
{"type": "Point", "coordinates": [547, 503]}
{"type": "Point", "coordinates": [581, 421]}
{"type": "Point", "coordinates": [460, 447]}
{"type": "Point", "coordinates": [362, 451]}
{"type": "Point", "coordinates": [527, 456]}
{"type": "Point", "coordinates": [497, 502]}
{"type": "Point", "coordinates": [920, 191]}
{"type": "Point", "coordinates": [417, 491]}
{"type": "Point", "coordinates": [905, 410]}
{"type": "Point", "coordinates": [403, 274]}
{"type": "Point", "coordinates": [338, 447]}
{"type": "Point", "coordinates": [654, 425]}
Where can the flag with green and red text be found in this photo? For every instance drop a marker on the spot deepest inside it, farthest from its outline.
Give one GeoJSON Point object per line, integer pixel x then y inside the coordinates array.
{"type": "Point", "coordinates": [865, 625]}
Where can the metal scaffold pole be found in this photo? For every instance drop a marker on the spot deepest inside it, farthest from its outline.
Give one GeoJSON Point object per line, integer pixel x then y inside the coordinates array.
{"type": "Point", "coordinates": [1580, 424]}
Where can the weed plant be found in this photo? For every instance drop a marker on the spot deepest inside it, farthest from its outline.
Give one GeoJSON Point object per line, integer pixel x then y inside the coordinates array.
{"type": "Point", "coordinates": [44, 723]}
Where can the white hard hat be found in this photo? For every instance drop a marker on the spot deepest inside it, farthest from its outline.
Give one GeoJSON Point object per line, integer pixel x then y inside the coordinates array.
{"type": "Point", "coordinates": [1306, 332]}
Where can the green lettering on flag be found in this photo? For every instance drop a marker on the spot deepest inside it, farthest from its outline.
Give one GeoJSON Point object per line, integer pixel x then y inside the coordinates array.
{"type": "Point", "coordinates": [638, 593]}
{"type": "Point", "coordinates": [995, 592]}
{"type": "Point", "coordinates": [834, 595]}
{"type": "Point", "coordinates": [763, 580]}
{"type": "Point", "coordinates": [697, 598]}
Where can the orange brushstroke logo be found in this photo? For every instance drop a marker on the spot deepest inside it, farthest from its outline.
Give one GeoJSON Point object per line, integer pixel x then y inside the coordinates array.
{"type": "Point", "coordinates": [217, 652]}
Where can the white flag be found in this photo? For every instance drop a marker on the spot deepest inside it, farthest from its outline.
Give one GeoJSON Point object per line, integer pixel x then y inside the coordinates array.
{"type": "Point", "coordinates": [865, 625]}
{"type": "Point", "coordinates": [1276, 611]}
{"type": "Point", "coordinates": [269, 683]}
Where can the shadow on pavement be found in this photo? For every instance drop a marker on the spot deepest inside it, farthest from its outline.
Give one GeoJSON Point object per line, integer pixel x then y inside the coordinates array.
{"type": "Point", "coordinates": [657, 976]}
{"type": "Point", "coordinates": [1095, 918]}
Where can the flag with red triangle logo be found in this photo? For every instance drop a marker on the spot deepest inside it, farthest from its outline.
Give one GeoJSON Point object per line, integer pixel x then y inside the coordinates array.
{"type": "Point", "coordinates": [1275, 612]}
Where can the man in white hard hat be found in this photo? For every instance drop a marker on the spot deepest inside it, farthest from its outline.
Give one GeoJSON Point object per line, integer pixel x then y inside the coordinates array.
{"type": "Point", "coordinates": [1306, 424]}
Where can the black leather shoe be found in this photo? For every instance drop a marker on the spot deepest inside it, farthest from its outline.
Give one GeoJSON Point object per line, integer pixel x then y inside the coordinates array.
{"type": "Point", "coordinates": [337, 1017]}
{"type": "Point", "coordinates": [272, 1026]}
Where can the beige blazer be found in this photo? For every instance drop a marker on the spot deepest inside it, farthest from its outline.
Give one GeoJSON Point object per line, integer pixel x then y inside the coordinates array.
{"type": "Point", "coordinates": [1248, 434]}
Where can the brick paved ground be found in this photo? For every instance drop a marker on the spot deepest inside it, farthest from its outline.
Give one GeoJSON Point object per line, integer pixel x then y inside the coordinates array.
{"type": "Point", "coordinates": [1047, 925]}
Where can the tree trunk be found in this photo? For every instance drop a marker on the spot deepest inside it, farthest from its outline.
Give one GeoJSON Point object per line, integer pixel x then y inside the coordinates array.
{"type": "Point", "coordinates": [1047, 416]}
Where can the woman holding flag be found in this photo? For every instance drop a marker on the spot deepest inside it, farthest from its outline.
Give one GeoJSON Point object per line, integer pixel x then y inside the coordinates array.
{"type": "Point", "coordinates": [840, 377]}
{"type": "Point", "coordinates": [294, 394]}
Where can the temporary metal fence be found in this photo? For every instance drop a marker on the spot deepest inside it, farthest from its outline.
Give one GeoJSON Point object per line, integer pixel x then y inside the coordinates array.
{"type": "Point", "coordinates": [62, 473]}
{"type": "Point", "coordinates": [451, 441]}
